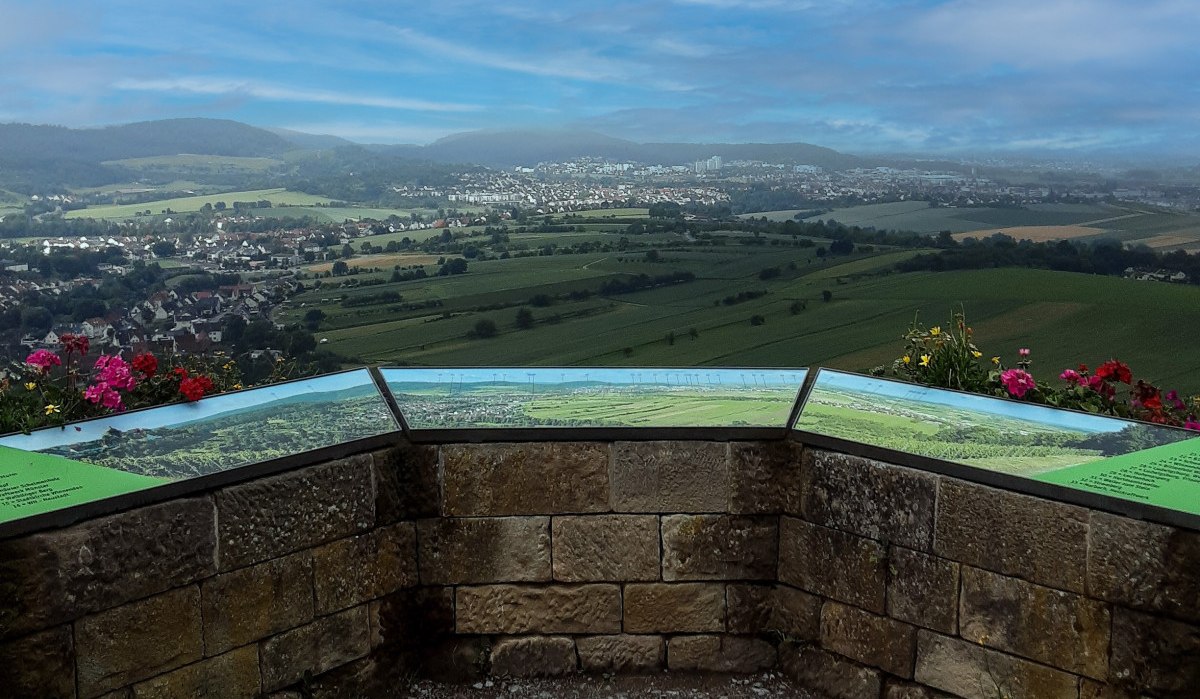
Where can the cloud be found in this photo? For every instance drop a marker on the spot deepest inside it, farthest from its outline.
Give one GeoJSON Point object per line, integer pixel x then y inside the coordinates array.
{"type": "Point", "coordinates": [234, 87]}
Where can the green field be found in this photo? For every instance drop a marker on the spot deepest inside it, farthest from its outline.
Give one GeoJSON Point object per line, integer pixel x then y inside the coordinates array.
{"type": "Point", "coordinates": [278, 197]}
{"type": "Point", "coordinates": [200, 164]}
{"type": "Point", "coordinates": [919, 217]}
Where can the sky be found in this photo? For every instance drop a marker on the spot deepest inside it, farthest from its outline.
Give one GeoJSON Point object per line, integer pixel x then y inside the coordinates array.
{"type": "Point", "coordinates": [919, 76]}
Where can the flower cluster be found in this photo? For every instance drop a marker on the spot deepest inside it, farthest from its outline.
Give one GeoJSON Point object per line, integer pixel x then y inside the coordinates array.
{"type": "Point", "coordinates": [942, 357]}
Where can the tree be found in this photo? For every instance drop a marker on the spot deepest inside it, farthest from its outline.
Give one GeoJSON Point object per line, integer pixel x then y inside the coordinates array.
{"type": "Point", "coordinates": [652, 256]}
{"type": "Point", "coordinates": [483, 329]}
{"type": "Point", "coordinates": [340, 268]}
{"type": "Point", "coordinates": [313, 318]}
{"type": "Point", "coordinates": [693, 333]}
{"type": "Point", "coordinates": [670, 337]}
{"type": "Point", "coordinates": [757, 320]}
{"type": "Point", "coordinates": [347, 251]}
{"type": "Point", "coordinates": [827, 296]}
{"type": "Point", "coordinates": [524, 318]}
{"type": "Point", "coordinates": [798, 306]}
{"type": "Point", "coordinates": [163, 248]}
{"type": "Point", "coordinates": [841, 246]}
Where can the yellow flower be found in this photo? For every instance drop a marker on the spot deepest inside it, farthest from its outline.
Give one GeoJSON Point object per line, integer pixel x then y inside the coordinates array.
{"type": "Point", "coordinates": [925, 360]}
{"type": "Point", "coordinates": [52, 409]}
{"type": "Point", "coordinates": [976, 354]}
{"type": "Point", "coordinates": [906, 359]}
{"type": "Point", "coordinates": [996, 361]}
{"type": "Point", "coordinates": [935, 330]}
{"type": "Point", "coordinates": [228, 366]}
{"type": "Point", "coordinates": [237, 387]}
{"type": "Point", "coordinates": [30, 386]}
{"type": "Point", "coordinates": [279, 360]}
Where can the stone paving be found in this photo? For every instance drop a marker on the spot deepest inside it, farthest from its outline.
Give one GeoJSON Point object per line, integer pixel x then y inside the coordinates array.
{"type": "Point", "coordinates": [771, 685]}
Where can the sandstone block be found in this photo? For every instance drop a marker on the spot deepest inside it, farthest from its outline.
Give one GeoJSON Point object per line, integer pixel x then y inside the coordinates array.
{"type": "Point", "coordinates": [1091, 689]}
{"type": "Point", "coordinates": [896, 689]}
{"type": "Point", "coordinates": [411, 619]}
{"type": "Point", "coordinates": [348, 572]}
{"type": "Point", "coordinates": [923, 590]}
{"type": "Point", "coordinates": [234, 675]}
{"type": "Point", "coordinates": [975, 672]}
{"type": "Point", "coordinates": [272, 517]}
{"type": "Point", "coordinates": [1041, 541]}
{"type": "Point", "coordinates": [884, 643]}
{"type": "Point", "coordinates": [737, 654]}
{"type": "Point", "coordinates": [719, 547]}
{"type": "Point", "coordinates": [137, 641]}
{"type": "Point", "coordinates": [750, 608]}
{"type": "Point", "coordinates": [322, 645]}
{"type": "Point", "coordinates": [534, 656]}
{"type": "Point", "coordinates": [674, 608]}
{"type": "Point", "coordinates": [1145, 566]}
{"type": "Point", "coordinates": [1154, 656]}
{"type": "Point", "coordinates": [833, 563]}
{"type": "Point", "coordinates": [870, 498]}
{"type": "Point", "coordinates": [60, 575]}
{"type": "Point", "coordinates": [620, 653]}
{"type": "Point", "coordinates": [518, 609]}
{"type": "Point", "coordinates": [764, 477]}
{"type": "Point", "coordinates": [525, 479]}
{"type": "Point", "coordinates": [828, 674]}
{"type": "Point", "coordinates": [252, 603]}
{"type": "Point", "coordinates": [598, 548]}
{"type": "Point", "coordinates": [406, 483]}
{"type": "Point", "coordinates": [1057, 628]}
{"type": "Point", "coordinates": [41, 665]}
{"type": "Point", "coordinates": [670, 477]}
{"type": "Point", "coordinates": [796, 615]}
{"type": "Point", "coordinates": [484, 550]}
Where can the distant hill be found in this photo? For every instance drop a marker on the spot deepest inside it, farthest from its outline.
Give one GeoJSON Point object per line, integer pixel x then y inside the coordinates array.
{"type": "Point", "coordinates": [140, 140]}
{"type": "Point", "coordinates": [310, 141]}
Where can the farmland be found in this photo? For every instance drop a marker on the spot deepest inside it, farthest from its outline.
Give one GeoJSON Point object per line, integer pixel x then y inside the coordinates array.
{"type": "Point", "coordinates": [1065, 318]}
{"type": "Point", "coordinates": [278, 197]}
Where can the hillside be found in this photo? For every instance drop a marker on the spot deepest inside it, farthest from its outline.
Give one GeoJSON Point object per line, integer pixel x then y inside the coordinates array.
{"type": "Point", "coordinates": [140, 140]}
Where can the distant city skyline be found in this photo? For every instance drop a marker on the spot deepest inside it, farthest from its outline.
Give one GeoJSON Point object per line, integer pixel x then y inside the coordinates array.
{"type": "Point", "coordinates": [1060, 77]}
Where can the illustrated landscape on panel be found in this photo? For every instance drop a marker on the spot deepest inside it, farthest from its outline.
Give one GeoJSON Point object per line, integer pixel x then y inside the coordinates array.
{"type": "Point", "coordinates": [990, 433]}
{"type": "Point", "coordinates": [223, 432]}
{"type": "Point", "coordinates": [434, 399]}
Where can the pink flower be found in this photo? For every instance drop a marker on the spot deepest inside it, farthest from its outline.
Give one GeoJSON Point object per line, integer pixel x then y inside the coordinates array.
{"type": "Point", "coordinates": [1173, 398]}
{"type": "Point", "coordinates": [1192, 424]}
{"type": "Point", "coordinates": [1024, 351]}
{"type": "Point", "coordinates": [115, 372]}
{"type": "Point", "coordinates": [105, 395]}
{"type": "Point", "coordinates": [1071, 376]}
{"type": "Point", "coordinates": [1018, 382]}
{"type": "Point", "coordinates": [43, 359]}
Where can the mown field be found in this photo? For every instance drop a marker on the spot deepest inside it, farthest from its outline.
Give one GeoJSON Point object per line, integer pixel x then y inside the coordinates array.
{"type": "Point", "coordinates": [1064, 318]}
{"type": "Point", "coordinates": [278, 197]}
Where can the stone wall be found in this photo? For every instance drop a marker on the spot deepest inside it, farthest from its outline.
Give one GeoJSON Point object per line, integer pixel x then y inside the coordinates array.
{"type": "Point", "coordinates": [857, 578]}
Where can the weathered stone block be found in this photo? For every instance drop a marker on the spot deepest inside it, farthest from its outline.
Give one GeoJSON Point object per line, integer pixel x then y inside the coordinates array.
{"type": "Point", "coordinates": [975, 672]}
{"type": "Point", "coordinates": [272, 517]}
{"type": "Point", "coordinates": [142, 639]}
{"type": "Point", "coordinates": [484, 550]}
{"type": "Point", "coordinates": [1091, 689]}
{"type": "Point", "coordinates": [896, 689]}
{"type": "Point", "coordinates": [1144, 566]}
{"type": "Point", "coordinates": [317, 647]}
{"type": "Point", "coordinates": [870, 498]}
{"type": "Point", "coordinates": [534, 656]}
{"type": "Point", "coordinates": [885, 643]}
{"type": "Point", "coordinates": [1041, 541]}
{"type": "Point", "coordinates": [670, 477]}
{"type": "Point", "coordinates": [923, 590]}
{"type": "Point", "coordinates": [796, 615]}
{"type": "Point", "coordinates": [37, 666]}
{"type": "Point", "coordinates": [750, 608]}
{"type": "Point", "coordinates": [1153, 655]}
{"type": "Point", "coordinates": [719, 547]}
{"type": "Point", "coordinates": [621, 653]}
{"type": "Point", "coordinates": [1057, 628]}
{"type": "Point", "coordinates": [348, 572]}
{"type": "Point", "coordinates": [63, 574]}
{"type": "Point", "coordinates": [832, 563]}
{"type": "Point", "coordinates": [517, 609]}
{"type": "Point", "coordinates": [598, 548]}
{"type": "Point", "coordinates": [737, 654]}
{"type": "Point", "coordinates": [674, 607]}
{"type": "Point", "coordinates": [234, 675]}
{"type": "Point", "coordinates": [828, 674]}
{"type": "Point", "coordinates": [411, 619]}
{"type": "Point", "coordinates": [764, 477]}
{"type": "Point", "coordinates": [525, 479]}
{"type": "Point", "coordinates": [406, 483]}
{"type": "Point", "coordinates": [252, 603]}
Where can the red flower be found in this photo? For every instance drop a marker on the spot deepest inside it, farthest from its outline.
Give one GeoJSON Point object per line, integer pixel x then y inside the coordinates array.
{"type": "Point", "coordinates": [146, 363]}
{"type": "Point", "coordinates": [180, 372]}
{"type": "Point", "coordinates": [75, 343]}
{"type": "Point", "coordinates": [1112, 369]}
{"type": "Point", "coordinates": [195, 387]}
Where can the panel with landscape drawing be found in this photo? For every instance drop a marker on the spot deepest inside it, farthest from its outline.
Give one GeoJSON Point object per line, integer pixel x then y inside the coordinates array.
{"type": "Point", "coordinates": [594, 397]}
{"type": "Point", "coordinates": [992, 433]}
{"type": "Point", "coordinates": [226, 431]}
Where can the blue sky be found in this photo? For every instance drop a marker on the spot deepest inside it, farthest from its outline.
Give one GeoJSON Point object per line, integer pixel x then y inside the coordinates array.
{"type": "Point", "coordinates": [935, 76]}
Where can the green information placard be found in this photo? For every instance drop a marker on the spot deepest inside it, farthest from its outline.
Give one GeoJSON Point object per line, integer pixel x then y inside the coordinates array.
{"type": "Point", "coordinates": [1167, 476]}
{"type": "Point", "coordinates": [34, 484]}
